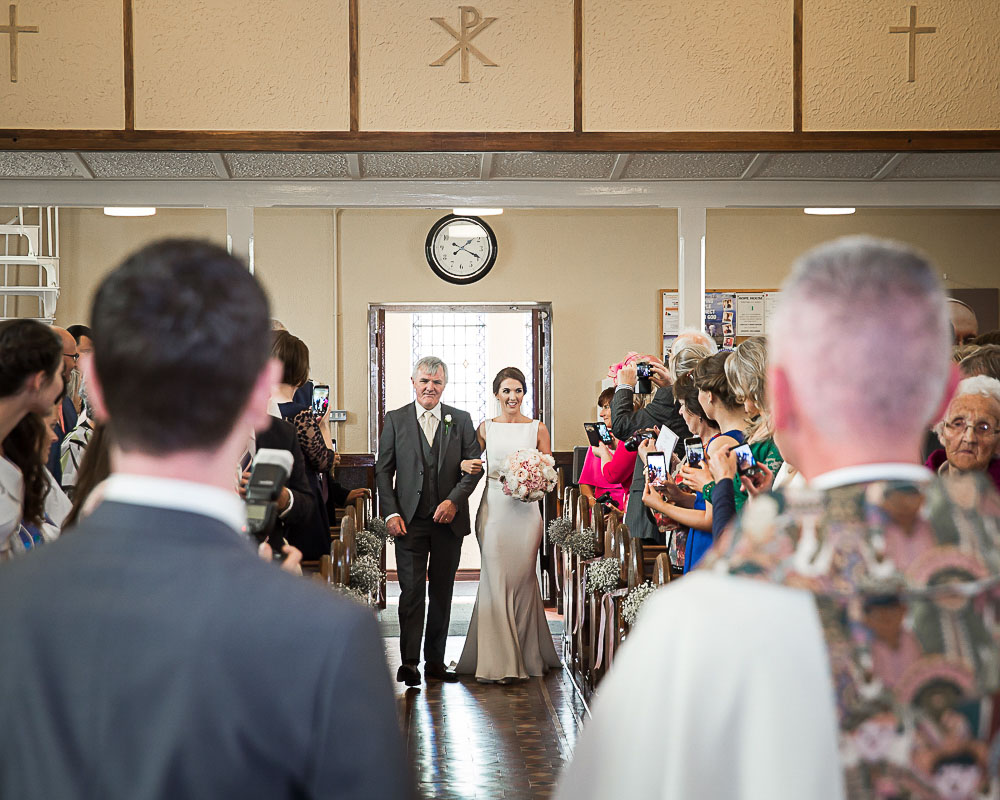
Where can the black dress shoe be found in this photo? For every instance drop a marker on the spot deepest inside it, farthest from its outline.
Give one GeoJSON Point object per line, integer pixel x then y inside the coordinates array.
{"type": "Point", "coordinates": [408, 674]}
{"type": "Point", "coordinates": [439, 673]}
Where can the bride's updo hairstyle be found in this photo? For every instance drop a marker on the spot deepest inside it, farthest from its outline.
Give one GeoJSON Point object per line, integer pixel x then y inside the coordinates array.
{"type": "Point", "coordinates": [509, 372]}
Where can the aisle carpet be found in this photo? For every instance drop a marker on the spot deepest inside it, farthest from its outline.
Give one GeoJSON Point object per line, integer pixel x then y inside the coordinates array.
{"type": "Point", "coordinates": [463, 600]}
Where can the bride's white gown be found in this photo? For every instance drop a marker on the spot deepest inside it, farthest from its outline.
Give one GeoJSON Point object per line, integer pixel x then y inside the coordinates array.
{"type": "Point", "coordinates": [508, 636]}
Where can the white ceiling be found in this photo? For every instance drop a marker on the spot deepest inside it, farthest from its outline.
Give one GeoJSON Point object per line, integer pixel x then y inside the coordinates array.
{"type": "Point", "coordinates": [611, 167]}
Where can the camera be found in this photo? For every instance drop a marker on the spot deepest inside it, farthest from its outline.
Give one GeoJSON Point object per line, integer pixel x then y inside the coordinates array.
{"type": "Point", "coordinates": [632, 442]}
{"type": "Point", "coordinates": [268, 474]}
{"type": "Point", "coordinates": [607, 502]}
{"type": "Point", "coordinates": [643, 372]}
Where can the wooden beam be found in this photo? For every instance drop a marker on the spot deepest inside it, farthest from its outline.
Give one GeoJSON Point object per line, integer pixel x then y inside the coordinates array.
{"type": "Point", "coordinates": [797, 66]}
{"type": "Point", "coordinates": [354, 64]}
{"type": "Point", "coordinates": [554, 142]}
{"type": "Point", "coordinates": [578, 66]}
{"type": "Point", "coordinates": [128, 37]}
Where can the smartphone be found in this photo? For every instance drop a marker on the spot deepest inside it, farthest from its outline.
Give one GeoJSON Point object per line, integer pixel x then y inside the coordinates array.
{"type": "Point", "coordinates": [603, 432]}
{"type": "Point", "coordinates": [642, 370]}
{"type": "Point", "coordinates": [694, 451]}
{"type": "Point", "coordinates": [593, 435]}
{"type": "Point", "coordinates": [320, 399]}
{"type": "Point", "coordinates": [334, 443]}
{"type": "Point", "coordinates": [746, 464]}
{"type": "Point", "coordinates": [656, 468]}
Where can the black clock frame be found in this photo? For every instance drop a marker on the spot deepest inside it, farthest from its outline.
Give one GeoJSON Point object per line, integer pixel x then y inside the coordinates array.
{"type": "Point", "coordinates": [439, 270]}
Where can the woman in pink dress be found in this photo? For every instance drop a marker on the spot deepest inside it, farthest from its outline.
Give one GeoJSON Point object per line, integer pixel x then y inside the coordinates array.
{"type": "Point", "coordinates": [607, 469]}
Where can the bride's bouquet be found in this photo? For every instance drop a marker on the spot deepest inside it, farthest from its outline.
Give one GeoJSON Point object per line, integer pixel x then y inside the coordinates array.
{"type": "Point", "coordinates": [527, 475]}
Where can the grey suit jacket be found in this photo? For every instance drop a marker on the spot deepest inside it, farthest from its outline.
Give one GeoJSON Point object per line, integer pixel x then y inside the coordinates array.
{"type": "Point", "coordinates": [400, 457]}
{"type": "Point", "coordinates": [150, 654]}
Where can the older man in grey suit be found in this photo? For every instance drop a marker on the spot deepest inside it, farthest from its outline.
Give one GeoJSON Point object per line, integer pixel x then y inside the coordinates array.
{"type": "Point", "coordinates": [151, 654]}
{"type": "Point", "coordinates": [424, 496]}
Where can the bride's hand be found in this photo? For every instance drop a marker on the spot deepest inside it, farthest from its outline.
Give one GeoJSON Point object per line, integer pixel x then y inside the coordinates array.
{"type": "Point", "coordinates": [472, 466]}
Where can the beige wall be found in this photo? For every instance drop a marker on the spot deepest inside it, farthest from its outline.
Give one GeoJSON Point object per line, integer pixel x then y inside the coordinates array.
{"type": "Point", "coordinates": [92, 244]}
{"type": "Point", "coordinates": [601, 270]}
{"type": "Point", "coordinates": [754, 249]}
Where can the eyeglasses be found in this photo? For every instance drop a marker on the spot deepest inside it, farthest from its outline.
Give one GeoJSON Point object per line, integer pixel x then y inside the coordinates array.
{"type": "Point", "coordinates": [959, 426]}
{"type": "Point", "coordinates": [75, 356]}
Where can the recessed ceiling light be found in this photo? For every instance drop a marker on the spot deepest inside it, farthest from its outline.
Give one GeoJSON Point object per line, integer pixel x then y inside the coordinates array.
{"type": "Point", "coordinates": [829, 212]}
{"type": "Point", "coordinates": [477, 212]}
{"type": "Point", "coordinates": [126, 211]}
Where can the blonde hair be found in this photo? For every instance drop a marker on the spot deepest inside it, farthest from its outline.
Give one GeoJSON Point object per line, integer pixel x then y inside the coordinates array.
{"type": "Point", "coordinates": [746, 371]}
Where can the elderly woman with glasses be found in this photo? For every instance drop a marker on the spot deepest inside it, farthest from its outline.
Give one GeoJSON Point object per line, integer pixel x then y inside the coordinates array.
{"type": "Point", "coordinates": [970, 431]}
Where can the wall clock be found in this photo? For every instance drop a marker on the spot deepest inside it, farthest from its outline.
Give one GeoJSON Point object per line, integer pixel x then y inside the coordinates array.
{"type": "Point", "coordinates": [461, 249]}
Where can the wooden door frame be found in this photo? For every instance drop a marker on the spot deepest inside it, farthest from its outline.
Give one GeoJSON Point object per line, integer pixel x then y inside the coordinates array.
{"type": "Point", "coordinates": [541, 314]}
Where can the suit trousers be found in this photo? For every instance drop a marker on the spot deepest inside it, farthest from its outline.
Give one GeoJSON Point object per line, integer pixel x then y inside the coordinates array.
{"type": "Point", "coordinates": [426, 540]}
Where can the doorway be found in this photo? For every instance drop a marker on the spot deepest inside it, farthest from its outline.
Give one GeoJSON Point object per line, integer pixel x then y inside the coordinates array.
{"type": "Point", "coordinates": [476, 341]}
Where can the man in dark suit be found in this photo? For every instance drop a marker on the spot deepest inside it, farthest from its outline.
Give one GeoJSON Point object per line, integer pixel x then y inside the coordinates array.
{"type": "Point", "coordinates": [152, 654]}
{"type": "Point", "coordinates": [626, 420]}
{"type": "Point", "coordinates": [427, 511]}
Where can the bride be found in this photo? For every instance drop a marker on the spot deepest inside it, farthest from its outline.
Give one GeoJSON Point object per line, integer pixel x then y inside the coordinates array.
{"type": "Point", "coordinates": [508, 637]}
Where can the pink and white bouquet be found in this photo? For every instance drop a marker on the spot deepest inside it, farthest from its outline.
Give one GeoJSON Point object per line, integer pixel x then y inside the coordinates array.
{"type": "Point", "coordinates": [527, 475]}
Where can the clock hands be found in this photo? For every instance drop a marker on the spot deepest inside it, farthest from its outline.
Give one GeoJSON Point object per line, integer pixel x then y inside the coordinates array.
{"type": "Point", "coordinates": [462, 248]}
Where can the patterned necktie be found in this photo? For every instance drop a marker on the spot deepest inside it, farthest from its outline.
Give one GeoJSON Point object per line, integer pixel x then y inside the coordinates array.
{"type": "Point", "coordinates": [429, 424]}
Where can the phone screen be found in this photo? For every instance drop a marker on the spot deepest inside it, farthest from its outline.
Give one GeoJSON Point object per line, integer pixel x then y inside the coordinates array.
{"type": "Point", "coordinates": [694, 451]}
{"type": "Point", "coordinates": [603, 432]}
{"type": "Point", "coordinates": [746, 464]}
{"type": "Point", "coordinates": [320, 399]}
{"type": "Point", "coordinates": [593, 435]}
{"type": "Point", "coordinates": [656, 468]}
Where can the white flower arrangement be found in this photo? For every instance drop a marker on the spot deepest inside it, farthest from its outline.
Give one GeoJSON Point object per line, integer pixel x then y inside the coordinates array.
{"type": "Point", "coordinates": [583, 543]}
{"type": "Point", "coordinates": [633, 601]}
{"type": "Point", "coordinates": [559, 530]}
{"type": "Point", "coordinates": [351, 594]}
{"type": "Point", "coordinates": [603, 576]}
{"type": "Point", "coordinates": [528, 475]}
{"type": "Point", "coordinates": [447, 423]}
{"type": "Point", "coordinates": [368, 543]}
{"type": "Point", "coordinates": [377, 526]}
{"type": "Point", "coordinates": [366, 575]}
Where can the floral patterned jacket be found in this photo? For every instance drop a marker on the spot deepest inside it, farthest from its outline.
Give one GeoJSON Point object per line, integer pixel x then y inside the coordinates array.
{"type": "Point", "coordinates": [906, 577]}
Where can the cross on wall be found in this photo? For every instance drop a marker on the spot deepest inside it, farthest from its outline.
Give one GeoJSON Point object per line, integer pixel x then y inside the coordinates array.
{"type": "Point", "coordinates": [12, 30]}
{"type": "Point", "coordinates": [912, 31]}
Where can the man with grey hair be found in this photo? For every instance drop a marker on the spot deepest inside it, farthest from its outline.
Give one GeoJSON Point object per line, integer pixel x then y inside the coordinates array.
{"type": "Point", "coordinates": [423, 495]}
{"type": "Point", "coordinates": [843, 638]}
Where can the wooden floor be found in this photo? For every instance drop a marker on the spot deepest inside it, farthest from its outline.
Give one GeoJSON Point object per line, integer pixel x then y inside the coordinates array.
{"type": "Point", "coordinates": [470, 740]}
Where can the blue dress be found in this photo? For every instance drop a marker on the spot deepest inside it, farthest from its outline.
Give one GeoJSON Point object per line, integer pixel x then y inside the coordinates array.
{"type": "Point", "coordinates": [699, 542]}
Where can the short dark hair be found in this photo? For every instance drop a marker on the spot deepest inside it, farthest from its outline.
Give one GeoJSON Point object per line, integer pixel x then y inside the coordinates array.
{"type": "Point", "coordinates": [27, 347]}
{"type": "Point", "coordinates": [710, 376]}
{"type": "Point", "coordinates": [990, 337]}
{"type": "Point", "coordinates": [180, 336]}
{"type": "Point", "coordinates": [605, 397]}
{"type": "Point", "coordinates": [293, 354]}
{"type": "Point", "coordinates": [509, 372]}
{"type": "Point", "coordinates": [686, 392]}
{"type": "Point", "coordinates": [984, 361]}
{"type": "Point", "coordinates": [78, 332]}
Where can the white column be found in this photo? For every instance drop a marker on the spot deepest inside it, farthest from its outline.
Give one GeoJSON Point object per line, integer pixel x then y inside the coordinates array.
{"type": "Point", "coordinates": [691, 267]}
{"type": "Point", "coordinates": [239, 233]}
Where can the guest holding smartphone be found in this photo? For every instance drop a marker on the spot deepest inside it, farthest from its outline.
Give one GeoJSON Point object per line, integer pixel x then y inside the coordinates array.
{"type": "Point", "coordinates": [607, 467]}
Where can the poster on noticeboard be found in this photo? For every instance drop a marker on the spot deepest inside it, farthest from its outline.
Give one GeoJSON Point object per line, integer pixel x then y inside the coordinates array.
{"type": "Point", "coordinates": [730, 316]}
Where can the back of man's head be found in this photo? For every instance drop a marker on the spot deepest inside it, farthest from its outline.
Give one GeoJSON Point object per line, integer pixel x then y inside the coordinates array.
{"type": "Point", "coordinates": [181, 332]}
{"type": "Point", "coordinates": [862, 334]}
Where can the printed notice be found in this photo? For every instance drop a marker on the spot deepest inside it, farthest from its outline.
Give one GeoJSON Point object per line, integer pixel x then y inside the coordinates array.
{"type": "Point", "coordinates": [750, 314]}
{"type": "Point", "coordinates": [671, 314]}
{"type": "Point", "coordinates": [770, 303]}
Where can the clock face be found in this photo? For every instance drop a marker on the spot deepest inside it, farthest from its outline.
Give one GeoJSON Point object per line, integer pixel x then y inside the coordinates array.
{"type": "Point", "coordinates": [461, 249]}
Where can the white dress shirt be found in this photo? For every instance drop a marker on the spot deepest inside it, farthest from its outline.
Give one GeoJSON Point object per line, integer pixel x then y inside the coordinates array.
{"type": "Point", "coordinates": [176, 495]}
{"type": "Point", "coordinates": [436, 411]}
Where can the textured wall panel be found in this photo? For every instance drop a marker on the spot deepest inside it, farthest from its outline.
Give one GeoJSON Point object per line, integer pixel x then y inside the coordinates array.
{"type": "Point", "coordinates": [531, 89]}
{"type": "Point", "coordinates": [855, 71]}
{"type": "Point", "coordinates": [252, 65]}
{"type": "Point", "coordinates": [580, 166]}
{"type": "Point", "coordinates": [686, 166]}
{"type": "Point", "coordinates": [150, 165]}
{"type": "Point", "coordinates": [919, 166]}
{"type": "Point", "coordinates": [38, 165]}
{"type": "Point", "coordinates": [454, 166]}
{"type": "Point", "coordinates": [822, 166]}
{"type": "Point", "coordinates": [287, 165]}
{"type": "Point", "coordinates": [674, 65]}
{"type": "Point", "coordinates": [70, 73]}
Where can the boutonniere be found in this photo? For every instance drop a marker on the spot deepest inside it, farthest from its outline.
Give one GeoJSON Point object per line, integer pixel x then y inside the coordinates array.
{"type": "Point", "coordinates": [447, 423]}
